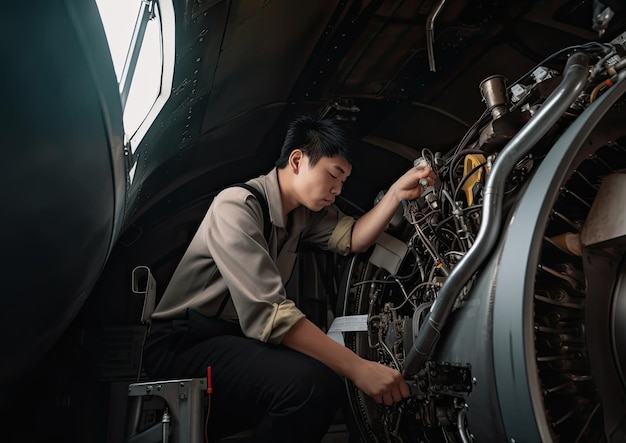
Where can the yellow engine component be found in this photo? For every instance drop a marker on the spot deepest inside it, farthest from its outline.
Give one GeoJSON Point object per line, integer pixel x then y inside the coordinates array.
{"type": "Point", "coordinates": [473, 161]}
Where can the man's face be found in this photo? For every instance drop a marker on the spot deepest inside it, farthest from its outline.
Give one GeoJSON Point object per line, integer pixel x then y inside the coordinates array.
{"type": "Point", "coordinates": [319, 185]}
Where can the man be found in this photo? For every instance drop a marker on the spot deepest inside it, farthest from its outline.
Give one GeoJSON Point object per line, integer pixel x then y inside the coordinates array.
{"type": "Point", "coordinates": [225, 307]}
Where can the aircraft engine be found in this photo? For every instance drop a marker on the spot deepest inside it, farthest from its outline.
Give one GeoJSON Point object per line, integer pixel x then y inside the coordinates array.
{"type": "Point", "coordinates": [499, 291]}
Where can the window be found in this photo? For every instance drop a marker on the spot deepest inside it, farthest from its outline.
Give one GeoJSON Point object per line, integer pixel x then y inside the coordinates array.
{"type": "Point", "coordinates": [140, 34]}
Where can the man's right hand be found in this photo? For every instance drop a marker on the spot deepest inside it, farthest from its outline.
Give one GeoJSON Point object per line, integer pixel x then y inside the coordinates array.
{"type": "Point", "coordinates": [382, 383]}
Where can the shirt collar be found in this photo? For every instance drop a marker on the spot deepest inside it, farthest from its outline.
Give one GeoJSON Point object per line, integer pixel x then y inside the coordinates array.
{"type": "Point", "coordinates": [272, 191]}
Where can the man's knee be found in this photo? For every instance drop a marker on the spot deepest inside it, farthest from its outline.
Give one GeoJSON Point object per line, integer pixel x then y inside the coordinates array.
{"type": "Point", "coordinates": [315, 387]}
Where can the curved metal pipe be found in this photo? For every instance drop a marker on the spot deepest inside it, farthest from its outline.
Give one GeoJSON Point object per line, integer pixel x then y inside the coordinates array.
{"type": "Point", "coordinates": [574, 80]}
{"type": "Point", "coordinates": [460, 424]}
{"type": "Point", "coordinates": [430, 33]}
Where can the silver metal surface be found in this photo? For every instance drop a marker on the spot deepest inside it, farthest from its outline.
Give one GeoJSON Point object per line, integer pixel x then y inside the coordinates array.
{"type": "Point", "coordinates": [606, 222]}
{"type": "Point", "coordinates": [519, 393]}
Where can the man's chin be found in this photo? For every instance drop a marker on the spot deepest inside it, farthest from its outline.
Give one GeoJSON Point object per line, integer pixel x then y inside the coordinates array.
{"type": "Point", "coordinates": [319, 206]}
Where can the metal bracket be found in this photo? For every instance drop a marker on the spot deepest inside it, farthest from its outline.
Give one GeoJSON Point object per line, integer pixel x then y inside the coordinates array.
{"type": "Point", "coordinates": [184, 400]}
{"type": "Point", "coordinates": [449, 378]}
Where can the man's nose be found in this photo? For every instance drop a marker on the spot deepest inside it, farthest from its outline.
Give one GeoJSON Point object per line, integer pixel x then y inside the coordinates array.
{"type": "Point", "coordinates": [336, 189]}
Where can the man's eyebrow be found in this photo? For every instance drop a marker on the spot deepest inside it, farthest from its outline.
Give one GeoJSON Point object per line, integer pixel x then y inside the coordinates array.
{"type": "Point", "coordinates": [339, 168]}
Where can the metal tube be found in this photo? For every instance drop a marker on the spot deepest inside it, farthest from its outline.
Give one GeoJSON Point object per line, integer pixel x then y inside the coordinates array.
{"type": "Point", "coordinates": [196, 410]}
{"type": "Point", "coordinates": [166, 425]}
{"type": "Point", "coordinates": [460, 424]}
{"type": "Point", "coordinates": [135, 47]}
{"type": "Point", "coordinates": [574, 80]}
{"type": "Point", "coordinates": [430, 33]}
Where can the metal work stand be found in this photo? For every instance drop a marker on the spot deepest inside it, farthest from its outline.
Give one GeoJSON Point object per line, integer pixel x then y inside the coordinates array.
{"type": "Point", "coordinates": [184, 411]}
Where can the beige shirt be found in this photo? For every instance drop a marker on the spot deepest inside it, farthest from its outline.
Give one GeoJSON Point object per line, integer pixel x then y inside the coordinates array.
{"type": "Point", "coordinates": [230, 270]}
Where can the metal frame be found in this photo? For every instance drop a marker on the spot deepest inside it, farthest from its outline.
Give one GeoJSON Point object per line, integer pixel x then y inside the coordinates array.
{"type": "Point", "coordinates": [184, 399]}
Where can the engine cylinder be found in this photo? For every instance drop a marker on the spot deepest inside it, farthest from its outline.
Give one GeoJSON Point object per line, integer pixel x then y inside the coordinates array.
{"type": "Point", "coordinates": [493, 90]}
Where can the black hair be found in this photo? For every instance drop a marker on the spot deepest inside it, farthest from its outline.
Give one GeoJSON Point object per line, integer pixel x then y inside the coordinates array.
{"type": "Point", "coordinates": [316, 138]}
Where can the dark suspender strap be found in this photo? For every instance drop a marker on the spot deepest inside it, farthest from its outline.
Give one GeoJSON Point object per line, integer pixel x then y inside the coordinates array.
{"type": "Point", "coordinates": [267, 223]}
{"type": "Point", "coordinates": [267, 228]}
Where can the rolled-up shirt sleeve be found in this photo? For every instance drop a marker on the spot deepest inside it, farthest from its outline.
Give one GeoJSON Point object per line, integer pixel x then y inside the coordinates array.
{"type": "Point", "coordinates": [341, 238]}
{"type": "Point", "coordinates": [236, 243]}
{"type": "Point", "coordinates": [331, 230]}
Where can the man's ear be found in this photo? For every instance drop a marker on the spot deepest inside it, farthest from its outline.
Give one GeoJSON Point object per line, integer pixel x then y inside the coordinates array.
{"type": "Point", "coordinates": [295, 160]}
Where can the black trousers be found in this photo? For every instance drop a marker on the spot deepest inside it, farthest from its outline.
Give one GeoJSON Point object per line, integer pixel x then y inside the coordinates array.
{"type": "Point", "coordinates": [284, 395]}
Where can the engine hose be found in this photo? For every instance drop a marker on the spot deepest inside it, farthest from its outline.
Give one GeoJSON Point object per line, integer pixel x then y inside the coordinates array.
{"type": "Point", "coordinates": [574, 80]}
{"type": "Point", "coordinates": [460, 423]}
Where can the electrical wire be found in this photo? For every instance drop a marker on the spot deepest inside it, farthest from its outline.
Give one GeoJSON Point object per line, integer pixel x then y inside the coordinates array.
{"type": "Point", "coordinates": [421, 285]}
{"type": "Point", "coordinates": [466, 211]}
{"type": "Point", "coordinates": [393, 358]}
{"type": "Point", "coordinates": [599, 87]}
{"type": "Point", "coordinates": [404, 293]}
{"type": "Point", "coordinates": [415, 269]}
{"type": "Point", "coordinates": [206, 422]}
{"type": "Point", "coordinates": [585, 46]}
{"type": "Point", "coordinates": [364, 282]}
